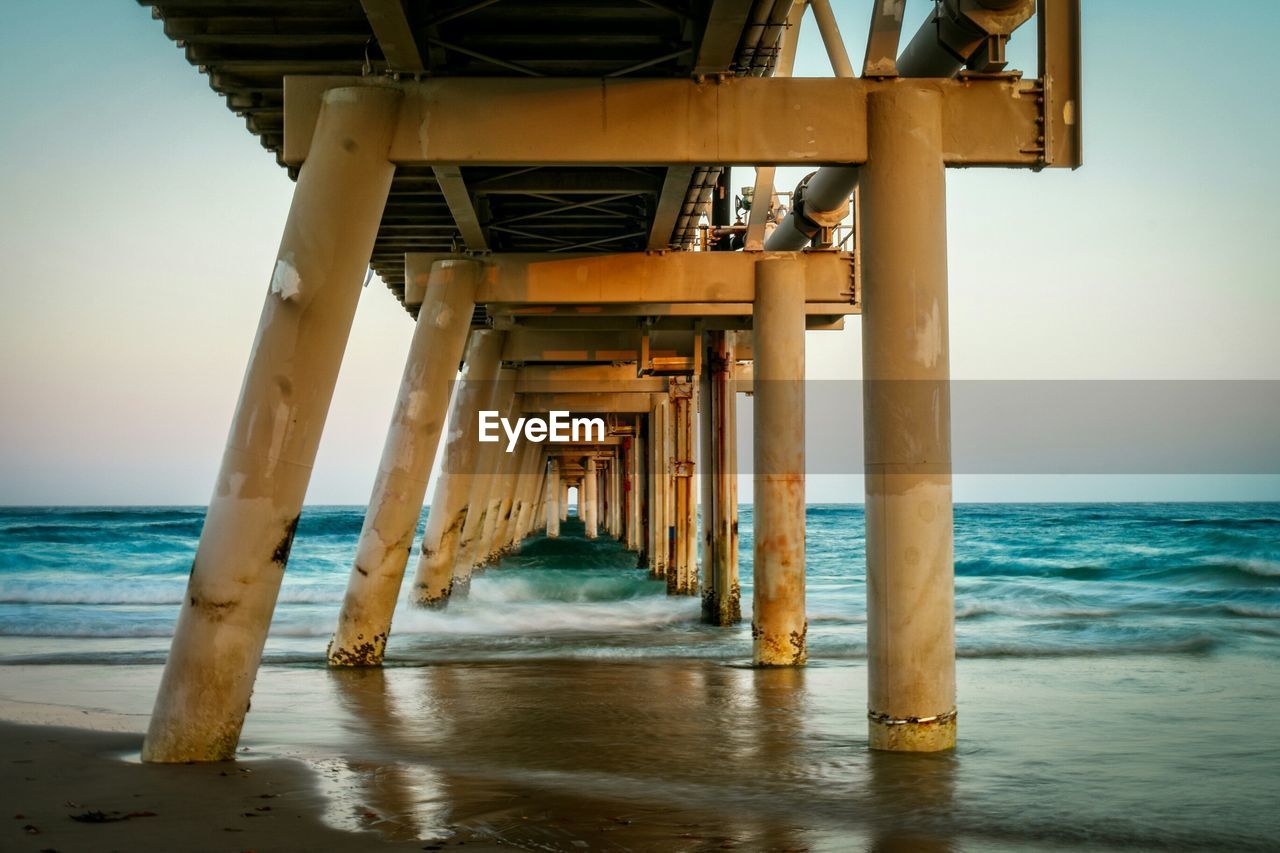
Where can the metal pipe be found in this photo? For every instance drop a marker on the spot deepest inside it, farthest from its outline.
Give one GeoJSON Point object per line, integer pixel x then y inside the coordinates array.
{"type": "Point", "coordinates": [822, 198]}
{"type": "Point", "coordinates": [386, 538]}
{"type": "Point", "coordinates": [906, 393]}
{"type": "Point", "coordinates": [288, 384]}
{"type": "Point", "coordinates": [448, 513]}
{"type": "Point", "coordinates": [778, 625]}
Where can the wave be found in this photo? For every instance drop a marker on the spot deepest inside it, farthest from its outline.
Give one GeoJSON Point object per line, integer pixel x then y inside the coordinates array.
{"type": "Point", "coordinates": [119, 593]}
{"type": "Point", "coordinates": [1201, 644]}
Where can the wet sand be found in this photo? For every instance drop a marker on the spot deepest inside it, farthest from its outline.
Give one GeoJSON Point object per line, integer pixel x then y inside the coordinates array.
{"type": "Point", "coordinates": [77, 789]}
{"type": "Point", "coordinates": [680, 755]}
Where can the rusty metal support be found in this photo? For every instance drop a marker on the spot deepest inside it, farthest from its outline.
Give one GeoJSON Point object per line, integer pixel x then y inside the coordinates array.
{"type": "Point", "coordinates": [288, 384]}
{"type": "Point", "coordinates": [396, 503]}
{"type": "Point", "coordinates": [778, 625]}
{"type": "Point", "coordinates": [910, 573]}
{"type": "Point", "coordinates": [448, 512]}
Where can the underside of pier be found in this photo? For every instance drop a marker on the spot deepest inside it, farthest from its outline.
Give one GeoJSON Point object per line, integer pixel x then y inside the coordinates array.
{"type": "Point", "coordinates": [545, 188]}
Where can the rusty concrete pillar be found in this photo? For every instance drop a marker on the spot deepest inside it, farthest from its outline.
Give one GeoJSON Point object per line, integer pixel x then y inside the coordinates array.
{"type": "Point", "coordinates": [634, 495]}
{"type": "Point", "coordinates": [478, 526]}
{"type": "Point", "coordinates": [508, 489]}
{"type": "Point", "coordinates": [653, 494]}
{"type": "Point", "coordinates": [396, 503]}
{"type": "Point", "coordinates": [554, 498]}
{"type": "Point", "coordinates": [499, 501]}
{"type": "Point", "coordinates": [723, 606]}
{"type": "Point", "coordinates": [706, 486]}
{"type": "Point", "coordinates": [907, 412]}
{"type": "Point", "coordinates": [684, 579]}
{"type": "Point", "coordinates": [615, 496]}
{"type": "Point", "coordinates": [448, 512]}
{"type": "Point", "coordinates": [778, 625]}
{"type": "Point", "coordinates": [288, 384]}
{"type": "Point", "coordinates": [588, 503]}
{"type": "Point", "coordinates": [564, 501]}
{"type": "Point", "coordinates": [526, 493]}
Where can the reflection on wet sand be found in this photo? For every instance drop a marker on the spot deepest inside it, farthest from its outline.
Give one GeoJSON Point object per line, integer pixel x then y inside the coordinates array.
{"type": "Point", "coordinates": [679, 755]}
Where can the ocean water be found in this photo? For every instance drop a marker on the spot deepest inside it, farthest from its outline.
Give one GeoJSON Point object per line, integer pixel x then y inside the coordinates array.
{"type": "Point", "coordinates": [1119, 682]}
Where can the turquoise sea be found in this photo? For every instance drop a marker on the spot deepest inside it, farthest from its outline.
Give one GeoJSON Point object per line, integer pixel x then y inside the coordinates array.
{"type": "Point", "coordinates": [1119, 681]}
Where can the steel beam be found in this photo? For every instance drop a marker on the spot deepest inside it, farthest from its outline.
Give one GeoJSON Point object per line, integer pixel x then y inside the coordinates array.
{"type": "Point", "coordinates": [462, 207]}
{"type": "Point", "coordinates": [671, 122]}
{"type": "Point", "coordinates": [394, 34]}
{"type": "Point", "coordinates": [675, 186]}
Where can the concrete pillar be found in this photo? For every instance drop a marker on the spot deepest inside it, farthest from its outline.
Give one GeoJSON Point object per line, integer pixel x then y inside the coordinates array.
{"type": "Point", "coordinates": [448, 512]}
{"type": "Point", "coordinates": [723, 607]}
{"type": "Point", "coordinates": [472, 547]}
{"type": "Point", "coordinates": [778, 626]}
{"type": "Point", "coordinates": [633, 489]}
{"type": "Point", "coordinates": [588, 503]}
{"type": "Point", "coordinates": [526, 493]}
{"type": "Point", "coordinates": [683, 580]}
{"type": "Point", "coordinates": [668, 492]}
{"type": "Point", "coordinates": [396, 503]}
{"type": "Point", "coordinates": [907, 412]}
{"type": "Point", "coordinates": [657, 518]}
{"type": "Point", "coordinates": [284, 399]}
{"type": "Point", "coordinates": [499, 505]}
{"type": "Point", "coordinates": [706, 486]}
{"type": "Point", "coordinates": [615, 496]}
{"type": "Point", "coordinates": [509, 489]}
{"type": "Point", "coordinates": [564, 501]}
{"type": "Point", "coordinates": [554, 498]}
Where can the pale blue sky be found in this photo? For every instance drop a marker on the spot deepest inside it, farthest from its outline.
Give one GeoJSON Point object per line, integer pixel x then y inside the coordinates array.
{"type": "Point", "coordinates": [140, 220]}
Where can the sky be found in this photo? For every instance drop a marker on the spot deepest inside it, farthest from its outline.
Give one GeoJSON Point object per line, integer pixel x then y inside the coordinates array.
{"type": "Point", "coordinates": [139, 222]}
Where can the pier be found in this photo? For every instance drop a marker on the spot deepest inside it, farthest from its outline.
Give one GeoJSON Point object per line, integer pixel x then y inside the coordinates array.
{"type": "Point", "coordinates": [545, 188]}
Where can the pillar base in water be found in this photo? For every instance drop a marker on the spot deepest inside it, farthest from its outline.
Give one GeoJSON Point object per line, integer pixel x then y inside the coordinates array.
{"type": "Point", "coordinates": [722, 610]}
{"type": "Point", "coordinates": [775, 649]}
{"type": "Point", "coordinates": [362, 653]}
{"type": "Point", "coordinates": [929, 734]}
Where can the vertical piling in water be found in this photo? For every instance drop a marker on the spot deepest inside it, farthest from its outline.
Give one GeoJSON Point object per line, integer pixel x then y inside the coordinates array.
{"type": "Point", "coordinates": [778, 625]}
{"type": "Point", "coordinates": [587, 497]}
{"type": "Point", "coordinates": [657, 492]}
{"type": "Point", "coordinates": [396, 503]}
{"type": "Point", "coordinates": [706, 486]}
{"type": "Point", "coordinates": [907, 412]}
{"type": "Point", "coordinates": [479, 520]}
{"type": "Point", "coordinates": [434, 577]}
{"type": "Point", "coordinates": [685, 575]}
{"type": "Point", "coordinates": [554, 498]}
{"type": "Point", "coordinates": [724, 605]}
{"type": "Point", "coordinates": [288, 384]}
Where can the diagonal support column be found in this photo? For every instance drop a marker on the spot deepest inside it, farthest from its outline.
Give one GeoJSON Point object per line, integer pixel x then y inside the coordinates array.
{"type": "Point", "coordinates": [448, 512]}
{"type": "Point", "coordinates": [778, 625]}
{"type": "Point", "coordinates": [396, 504]}
{"type": "Point", "coordinates": [288, 385]}
{"type": "Point", "coordinates": [907, 411]}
